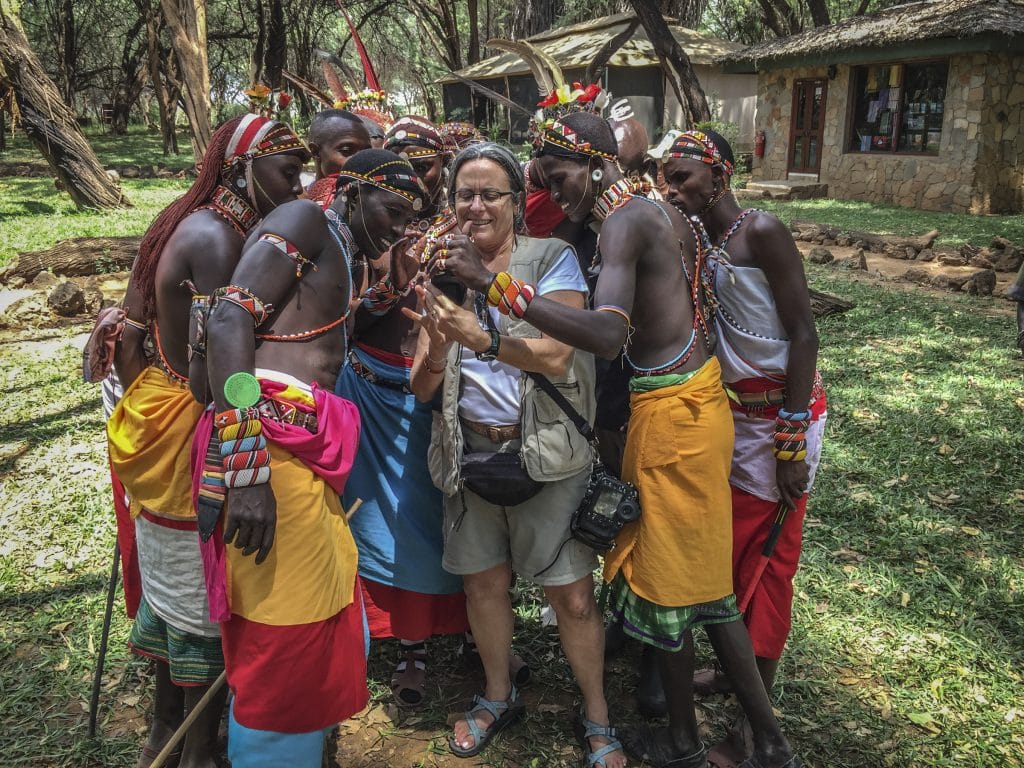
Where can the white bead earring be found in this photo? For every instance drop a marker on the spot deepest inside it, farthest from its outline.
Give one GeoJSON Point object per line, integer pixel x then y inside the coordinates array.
{"type": "Point", "coordinates": [597, 175]}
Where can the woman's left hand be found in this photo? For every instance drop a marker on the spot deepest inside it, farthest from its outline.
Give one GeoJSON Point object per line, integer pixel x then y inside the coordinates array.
{"type": "Point", "coordinates": [454, 322]}
{"type": "Point", "coordinates": [457, 255]}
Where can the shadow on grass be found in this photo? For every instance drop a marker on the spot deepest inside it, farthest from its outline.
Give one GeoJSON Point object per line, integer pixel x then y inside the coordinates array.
{"type": "Point", "coordinates": [31, 433]}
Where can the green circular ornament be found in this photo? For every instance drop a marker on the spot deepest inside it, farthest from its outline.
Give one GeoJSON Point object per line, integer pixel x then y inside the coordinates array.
{"type": "Point", "coordinates": [242, 390]}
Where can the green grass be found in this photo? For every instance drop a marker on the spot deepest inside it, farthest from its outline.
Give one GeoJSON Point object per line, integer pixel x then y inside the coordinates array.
{"type": "Point", "coordinates": [140, 146]}
{"type": "Point", "coordinates": [34, 215]}
{"type": "Point", "coordinates": [954, 228]}
{"type": "Point", "coordinates": [908, 640]}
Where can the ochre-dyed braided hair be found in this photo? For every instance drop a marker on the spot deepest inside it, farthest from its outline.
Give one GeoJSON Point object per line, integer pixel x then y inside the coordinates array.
{"type": "Point", "coordinates": [160, 231]}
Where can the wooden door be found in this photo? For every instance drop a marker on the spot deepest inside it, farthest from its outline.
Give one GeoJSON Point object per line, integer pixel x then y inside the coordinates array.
{"type": "Point", "coordinates": [807, 126]}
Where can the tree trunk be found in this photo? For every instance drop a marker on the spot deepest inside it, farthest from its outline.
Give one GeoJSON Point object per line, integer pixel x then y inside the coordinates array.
{"type": "Point", "coordinates": [68, 52]}
{"type": "Point", "coordinates": [529, 17]}
{"type": "Point", "coordinates": [50, 124]}
{"type": "Point", "coordinates": [674, 62]}
{"type": "Point", "coordinates": [277, 45]}
{"type": "Point", "coordinates": [186, 20]}
{"type": "Point", "coordinates": [823, 304]}
{"type": "Point", "coordinates": [473, 11]}
{"type": "Point", "coordinates": [77, 257]}
{"type": "Point", "coordinates": [259, 52]}
{"type": "Point", "coordinates": [819, 13]}
{"type": "Point", "coordinates": [166, 94]}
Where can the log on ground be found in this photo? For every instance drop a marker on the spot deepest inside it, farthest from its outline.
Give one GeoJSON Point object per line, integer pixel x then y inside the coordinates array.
{"type": "Point", "coordinates": [77, 257]}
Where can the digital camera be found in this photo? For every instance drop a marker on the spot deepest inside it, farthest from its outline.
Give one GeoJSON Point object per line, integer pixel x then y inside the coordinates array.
{"type": "Point", "coordinates": [607, 506]}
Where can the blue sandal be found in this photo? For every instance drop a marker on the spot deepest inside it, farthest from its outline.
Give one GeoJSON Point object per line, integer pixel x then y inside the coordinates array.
{"type": "Point", "coordinates": [584, 729]}
{"type": "Point", "coordinates": [503, 712]}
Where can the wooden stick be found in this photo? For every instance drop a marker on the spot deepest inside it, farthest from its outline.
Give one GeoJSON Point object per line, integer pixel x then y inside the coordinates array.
{"type": "Point", "coordinates": [187, 723]}
{"type": "Point", "coordinates": [352, 510]}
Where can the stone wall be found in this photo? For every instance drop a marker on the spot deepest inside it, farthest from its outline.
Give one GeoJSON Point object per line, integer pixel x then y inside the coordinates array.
{"type": "Point", "coordinates": [979, 165]}
{"type": "Point", "coordinates": [1000, 168]}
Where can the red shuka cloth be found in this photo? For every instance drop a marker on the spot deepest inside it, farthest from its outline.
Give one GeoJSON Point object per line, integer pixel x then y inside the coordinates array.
{"type": "Point", "coordinates": [300, 678]}
{"type": "Point", "coordinates": [401, 613]}
{"type": "Point", "coordinates": [131, 579]}
{"type": "Point", "coordinates": [542, 214]}
{"type": "Point", "coordinates": [768, 617]}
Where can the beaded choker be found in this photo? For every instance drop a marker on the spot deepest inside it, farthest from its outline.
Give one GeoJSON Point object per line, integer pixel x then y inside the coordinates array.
{"type": "Point", "coordinates": [616, 196]}
{"type": "Point", "coordinates": [233, 209]}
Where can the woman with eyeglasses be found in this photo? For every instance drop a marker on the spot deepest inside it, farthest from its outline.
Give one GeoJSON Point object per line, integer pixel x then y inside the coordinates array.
{"type": "Point", "coordinates": [476, 360]}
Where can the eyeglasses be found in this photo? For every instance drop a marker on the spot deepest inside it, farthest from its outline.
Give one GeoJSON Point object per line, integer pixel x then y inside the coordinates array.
{"type": "Point", "coordinates": [489, 196]}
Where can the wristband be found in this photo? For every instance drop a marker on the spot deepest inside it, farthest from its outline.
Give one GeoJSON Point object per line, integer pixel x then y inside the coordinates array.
{"type": "Point", "coordinates": [234, 416]}
{"type": "Point", "coordinates": [510, 296]}
{"type": "Point", "coordinates": [791, 435]}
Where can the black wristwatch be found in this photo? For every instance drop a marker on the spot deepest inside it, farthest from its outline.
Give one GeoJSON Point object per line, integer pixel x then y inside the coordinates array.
{"type": "Point", "coordinates": [491, 353]}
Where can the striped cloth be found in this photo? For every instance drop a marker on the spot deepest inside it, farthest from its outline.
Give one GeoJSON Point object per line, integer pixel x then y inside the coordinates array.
{"type": "Point", "coordinates": [662, 626]}
{"type": "Point", "coordinates": [193, 659]}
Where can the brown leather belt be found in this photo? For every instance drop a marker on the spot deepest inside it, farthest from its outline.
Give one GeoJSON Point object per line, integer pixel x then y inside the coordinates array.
{"type": "Point", "coordinates": [496, 433]}
{"type": "Point", "coordinates": [286, 415]}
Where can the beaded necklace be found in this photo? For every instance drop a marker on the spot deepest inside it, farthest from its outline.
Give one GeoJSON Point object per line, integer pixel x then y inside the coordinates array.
{"type": "Point", "coordinates": [233, 209]}
{"type": "Point", "coordinates": [735, 226]}
{"type": "Point", "coordinates": [616, 196]}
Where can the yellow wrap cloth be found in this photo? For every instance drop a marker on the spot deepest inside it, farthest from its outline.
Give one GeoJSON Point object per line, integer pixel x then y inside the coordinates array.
{"type": "Point", "coordinates": [309, 575]}
{"type": "Point", "coordinates": [678, 454]}
{"type": "Point", "coordinates": [149, 435]}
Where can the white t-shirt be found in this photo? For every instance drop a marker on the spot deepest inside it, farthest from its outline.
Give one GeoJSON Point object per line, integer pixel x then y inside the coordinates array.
{"type": "Point", "coordinates": [491, 391]}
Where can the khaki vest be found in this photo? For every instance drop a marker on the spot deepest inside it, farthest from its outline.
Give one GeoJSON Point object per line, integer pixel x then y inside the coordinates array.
{"type": "Point", "coordinates": [553, 449]}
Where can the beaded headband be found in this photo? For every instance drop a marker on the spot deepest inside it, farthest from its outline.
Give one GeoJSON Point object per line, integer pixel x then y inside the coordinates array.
{"type": "Point", "coordinates": [566, 141]}
{"type": "Point", "coordinates": [459, 134]}
{"type": "Point", "coordinates": [697, 145]}
{"type": "Point", "coordinates": [423, 138]}
{"type": "Point", "coordinates": [258, 136]}
{"type": "Point", "coordinates": [378, 179]}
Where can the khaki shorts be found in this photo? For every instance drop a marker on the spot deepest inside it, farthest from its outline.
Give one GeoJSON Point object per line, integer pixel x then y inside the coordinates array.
{"type": "Point", "coordinates": [479, 535]}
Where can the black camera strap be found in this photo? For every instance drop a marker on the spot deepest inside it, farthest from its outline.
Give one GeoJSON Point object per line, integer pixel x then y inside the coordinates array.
{"type": "Point", "coordinates": [584, 426]}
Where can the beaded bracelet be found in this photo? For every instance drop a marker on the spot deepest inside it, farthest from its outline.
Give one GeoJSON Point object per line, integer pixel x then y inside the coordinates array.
{"type": "Point", "coordinates": [791, 435]}
{"type": "Point", "coordinates": [243, 448]}
{"type": "Point", "coordinates": [510, 296]}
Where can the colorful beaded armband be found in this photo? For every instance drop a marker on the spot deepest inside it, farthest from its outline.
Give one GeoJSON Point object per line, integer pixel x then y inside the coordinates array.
{"type": "Point", "coordinates": [510, 296]}
{"type": "Point", "coordinates": [381, 296]}
{"type": "Point", "coordinates": [245, 458]}
{"type": "Point", "coordinates": [244, 298]}
{"type": "Point", "coordinates": [791, 435]}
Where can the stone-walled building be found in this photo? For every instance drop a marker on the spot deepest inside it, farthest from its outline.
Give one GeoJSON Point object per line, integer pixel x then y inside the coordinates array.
{"type": "Point", "coordinates": [921, 105]}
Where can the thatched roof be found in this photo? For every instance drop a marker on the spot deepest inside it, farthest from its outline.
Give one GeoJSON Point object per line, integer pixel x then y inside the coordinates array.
{"type": "Point", "coordinates": [897, 27]}
{"type": "Point", "coordinates": [575, 46]}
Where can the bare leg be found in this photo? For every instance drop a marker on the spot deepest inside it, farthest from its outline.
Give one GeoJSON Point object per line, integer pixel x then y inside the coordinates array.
{"type": "Point", "coordinates": [677, 677]}
{"type": "Point", "coordinates": [168, 710]}
{"type": "Point", "coordinates": [1020, 326]}
{"type": "Point", "coordinates": [732, 646]}
{"type": "Point", "coordinates": [680, 739]}
{"type": "Point", "coordinates": [491, 620]}
{"type": "Point", "coordinates": [200, 746]}
{"type": "Point", "coordinates": [582, 636]}
{"type": "Point", "coordinates": [767, 669]}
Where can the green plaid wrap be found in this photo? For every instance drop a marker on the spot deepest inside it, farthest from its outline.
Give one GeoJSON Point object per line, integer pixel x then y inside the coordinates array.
{"type": "Point", "coordinates": [193, 659]}
{"type": "Point", "coordinates": [662, 626]}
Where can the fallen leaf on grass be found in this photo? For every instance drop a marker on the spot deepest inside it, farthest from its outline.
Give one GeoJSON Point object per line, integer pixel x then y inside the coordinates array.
{"type": "Point", "coordinates": [1011, 715]}
{"type": "Point", "coordinates": [865, 496]}
{"type": "Point", "coordinates": [56, 629]}
{"type": "Point", "coordinates": [945, 449]}
{"type": "Point", "coordinates": [924, 721]}
{"type": "Point", "coordinates": [904, 599]}
{"type": "Point", "coordinates": [62, 665]}
{"type": "Point", "coordinates": [551, 708]}
{"type": "Point", "coordinates": [947, 498]}
{"type": "Point", "coordinates": [970, 530]}
{"type": "Point", "coordinates": [1017, 494]}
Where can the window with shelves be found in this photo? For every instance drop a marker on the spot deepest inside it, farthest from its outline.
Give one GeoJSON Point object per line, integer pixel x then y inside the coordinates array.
{"type": "Point", "coordinates": [898, 107]}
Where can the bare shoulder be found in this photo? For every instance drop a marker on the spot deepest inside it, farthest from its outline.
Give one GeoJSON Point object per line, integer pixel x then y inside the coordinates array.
{"type": "Point", "coordinates": [203, 241]}
{"type": "Point", "coordinates": [765, 224]}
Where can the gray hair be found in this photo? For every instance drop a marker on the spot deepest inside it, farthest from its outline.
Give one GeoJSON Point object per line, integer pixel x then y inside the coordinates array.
{"type": "Point", "coordinates": [502, 156]}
